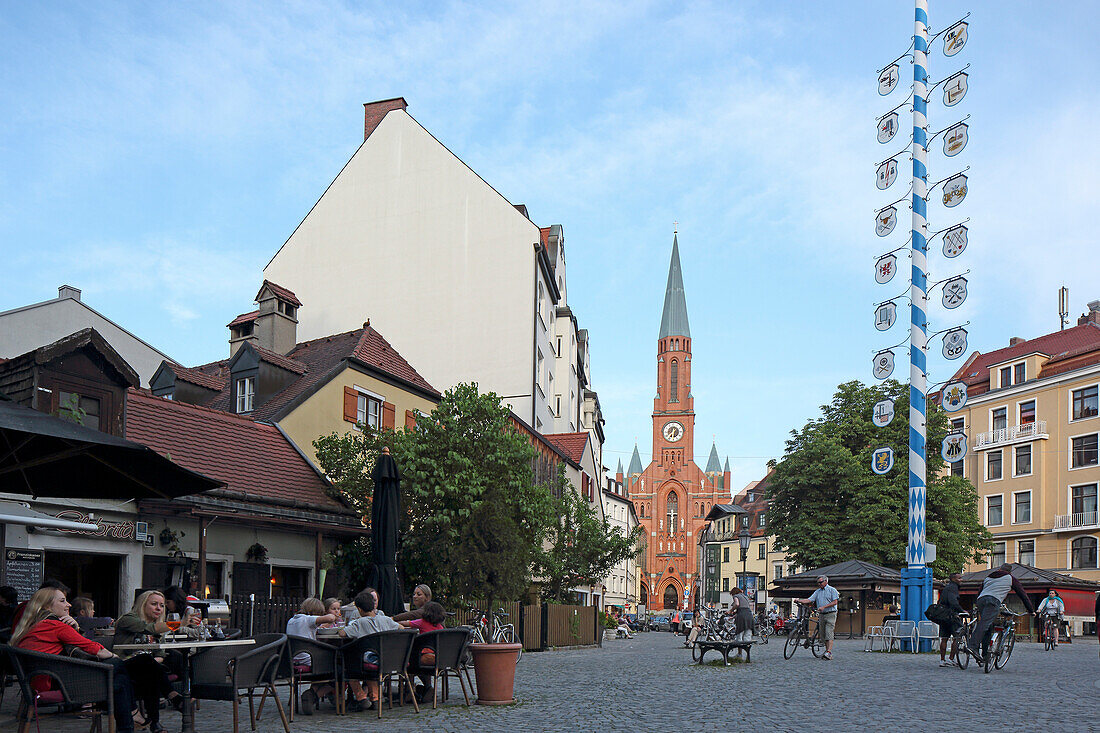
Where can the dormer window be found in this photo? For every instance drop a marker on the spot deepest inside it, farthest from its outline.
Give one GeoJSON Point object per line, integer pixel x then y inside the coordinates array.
{"type": "Point", "coordinates": [1020, 373]}
{"type": "Point", "coordinates": [246, 394]}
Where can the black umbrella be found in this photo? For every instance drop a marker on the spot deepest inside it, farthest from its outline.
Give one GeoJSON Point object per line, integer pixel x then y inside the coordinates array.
{"type": "Point", "coordinates": [42, 455]}
{"type": "Point", "coordinates": [385, 521]}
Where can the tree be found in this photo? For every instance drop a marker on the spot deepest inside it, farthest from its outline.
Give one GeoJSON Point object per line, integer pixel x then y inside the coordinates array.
{"type": "Point", "coordinates": [582, 547]}
{"type": "Point", "coordinates": [826, 505]}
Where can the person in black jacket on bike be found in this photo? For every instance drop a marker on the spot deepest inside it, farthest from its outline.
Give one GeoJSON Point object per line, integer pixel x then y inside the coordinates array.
{"type": "Point", "coordinates": [995, 587]}
{"type": "Point", "coordinates": [949, 598]}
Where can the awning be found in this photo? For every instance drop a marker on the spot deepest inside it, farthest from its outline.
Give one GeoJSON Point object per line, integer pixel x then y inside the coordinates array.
{"type": "Point", "coordinates": [11, 513]}
{"type": "Point", "coordinates": [42, 455]}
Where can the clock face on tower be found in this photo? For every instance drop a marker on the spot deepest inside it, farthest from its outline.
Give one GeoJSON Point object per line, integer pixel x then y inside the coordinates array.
{"type": "Point", "coordinates": [673, 431]}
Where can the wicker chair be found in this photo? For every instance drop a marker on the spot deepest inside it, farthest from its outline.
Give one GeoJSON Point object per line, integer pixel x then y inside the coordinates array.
{"type": "Point", "coordinates": [323, 667]}
{"type": "Point", "coordinates": [393, 649]}
{"type": "Point", "coordinates": [228, 674]}
{"type": "Point", "coordinates": [450, 649]}
{"type": "Point", "coordinates": [76, 683]}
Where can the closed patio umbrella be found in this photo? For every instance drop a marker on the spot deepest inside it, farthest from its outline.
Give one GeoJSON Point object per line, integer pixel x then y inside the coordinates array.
{"type": "Point", "coordinates": [385, 521]}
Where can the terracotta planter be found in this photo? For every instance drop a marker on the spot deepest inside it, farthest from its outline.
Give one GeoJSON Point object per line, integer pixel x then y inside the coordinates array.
{"type": "Point", "coordinates": [495, 669]}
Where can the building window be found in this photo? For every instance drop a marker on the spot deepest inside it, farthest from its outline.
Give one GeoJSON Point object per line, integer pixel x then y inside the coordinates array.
{"type": "Point", "coordinates": [1085, 403]}
{"type": "Point", "coordinates": [1006, 376]}
{"type": "Point", "coordinates": [1027, 412]}
{"type": "Point", "coordinates": [725, 584]}
{"type": "Point", "coordinates": [762, 551]}
{"type": "Point", "coordinates": [994, 510]}
{"type": "Point", "coordinates": [671, 511]}
{"type": "Point", "coordinates": [761, 521]}
{"type": "Point", "coordinates": [1082, 553]}
{"type": "Point", "coordinates": [1084, 451]}
{"type": "Point", "coordinates": [1083, 501]}
{"type": "Point", "coordinates": [79, 409]}
{"type": "Point", "coordinates": [997, 557]}
{"type": "Point", "coordinates": [559, 347]}
{"type": "Point", "coordinates": [368, 411]}
{"type": "Point", "coordinates": [725, 554]}
{"type": "Point", "coordinates": [1025, 552]}
{"type": "Point", "coordinates": [778, 570]}
{"type": "Point", "coordinates": [1000, 418]}
{"type": "Point", "coordinates": [246, 394]}
{"type": "Point", "coordinates": [674, 383]}
{"type": "Point", "coordinates": [993, 466]}
{"type": "Point", "coordinates": [1023, 460]}
{"type": "Point", "coordinates": [1021, 509]}
{"type": "Point", "coordinates": [557, 405]}
{"type": "Point", "coordinates": [1020, 374]}
{"type": "Point", "coordinates": [289, 582]}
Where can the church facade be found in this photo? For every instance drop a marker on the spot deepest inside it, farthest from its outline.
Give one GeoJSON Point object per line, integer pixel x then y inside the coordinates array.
{"type": "Point", "coordinates": [672, 495]}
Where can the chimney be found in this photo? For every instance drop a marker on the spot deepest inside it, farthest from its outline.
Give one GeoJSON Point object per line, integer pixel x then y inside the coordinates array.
{"type": "Point", "coordinates": [375, 111]}
{"type": "Point", "coordinates": [68, 291]}
{"type": "Point", "coordinates": [1015, 340]}
{"type": "Point", "coordinates": [1093, 315]}
{"type": "Point", "coordinates": [277, 318]}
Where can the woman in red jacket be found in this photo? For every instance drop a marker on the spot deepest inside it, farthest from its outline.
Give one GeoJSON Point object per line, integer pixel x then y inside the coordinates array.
{"type": "Point", "coordinates": [47, 627]}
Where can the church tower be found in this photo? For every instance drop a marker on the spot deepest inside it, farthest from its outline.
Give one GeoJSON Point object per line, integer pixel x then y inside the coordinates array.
{"type": "Point", "coordinates": [672, 495]}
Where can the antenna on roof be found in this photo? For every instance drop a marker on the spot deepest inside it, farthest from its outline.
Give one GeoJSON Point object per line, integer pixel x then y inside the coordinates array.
{"type": "Point", "coordinates": [1063, 306]}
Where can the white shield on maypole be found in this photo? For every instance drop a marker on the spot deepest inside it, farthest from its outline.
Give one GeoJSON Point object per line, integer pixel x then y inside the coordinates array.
{"type": "Point", "coordinates": [954, 343]}
{"type": "Point", "coordinates": [954, 293]}
{"type": "Point", "coordinates": [954, 241]}
{"type": "Point", "coordinates": [883, 364]}
{"type": "Point", "coordinates": [887, 174]}
{"type": "Point", "coordinates": [883, 413]}
{"type": "Point", "coordinates": [955, 89]}
{"type": "Point", "coordinates": [882, 460]}
{"type": "Point", "coordinates": [885, 315]}
{"type": "Point", "coordinates": [955, 38]}
{"type": "Point", "coordinates": [888, 79]}
{"type": "Point", "coordinates": [955, 139]}
{"type": "Point", "coordinates": [888, 127]}
{"type": "Point", "coordinates": [954, 448]}
{"type": "Point", "coordinates": [885, 269]}
{"type": "Point", "coordinates": [954, 191]}
{"type": "Point", "coordinates": [885, 221]}
{"type": "Point", "coordinates": [954, 397]}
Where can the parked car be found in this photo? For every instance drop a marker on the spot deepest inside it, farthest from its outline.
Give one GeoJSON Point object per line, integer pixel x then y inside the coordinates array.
{"type": "Point", "coordinates": [659, 623]}
{"type": "Point", "coordinates": [685, 621]}
{"type": "Point", "coordinates": [632, 621]}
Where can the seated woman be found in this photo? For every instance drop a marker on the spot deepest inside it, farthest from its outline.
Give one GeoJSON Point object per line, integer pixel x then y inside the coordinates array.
{"type": "Point", "coordinates": [431, 619]}
{"type": "Point", "coordinates": [421, 595]}
{"type": "Point", "coordinates": [148, 672]}
{"type": "Point", "coordinates": [47, 627]}
{"type": "Point", "coordinates": [311, 614]}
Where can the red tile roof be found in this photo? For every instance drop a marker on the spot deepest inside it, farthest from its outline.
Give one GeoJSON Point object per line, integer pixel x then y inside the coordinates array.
{"type": "Point", "coordinates": [279, 292]}
{"type": "Point", "coordinates": [202, 379]}
{"type": "Point", "coordinates": [253, 459]}
{"type": "Point", "coordinates": [243, 318]}
{"type": "Point", "coordinates": [571, 444]}
{"type": "Point", "coordinates": [273, 357]}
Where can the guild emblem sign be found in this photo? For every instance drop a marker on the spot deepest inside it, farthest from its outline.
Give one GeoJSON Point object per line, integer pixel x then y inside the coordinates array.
{"type": "Point", "coordinates": [954, 397]}
{"type": "Point", "coordinates": [954, 343]}
{"type": "Point", "coordinates": [882, 460]}
{"type": "Point", "coordinates": [883, 413]}
{"type": "Point", "coordinates": [885, 221]}
{"type": "Point", "coordinates": [884, 364]}
{"type": "Point", "coordinates": [954, 39]}
{"type": "Point", "coordinates": [887, 174]}
{"type": "Point", "coordinates": [955, 89]}
{"type": "Point", "coordinates": [954, 448]}
{"type": "Point", "coordinates": [955, 140]}
{"type": "Point", "coordinates": [888, 79]}
{"type": "Point", "coordinates": [954, 241]}
{"type": "Point", "coordinates": [885, 269]}
{"type": "Point", "coordinates": [885, 315]}
{"type": "Point", "coordinates": [888, 127]}
{"type": "Point", "coordinates": [954, 191]}
{"type": "Point", "coordinates": [954, 293]}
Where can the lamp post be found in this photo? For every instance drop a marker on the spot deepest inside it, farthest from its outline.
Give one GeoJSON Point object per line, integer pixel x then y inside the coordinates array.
{"type": "Point", "coordinates": [744, 538]}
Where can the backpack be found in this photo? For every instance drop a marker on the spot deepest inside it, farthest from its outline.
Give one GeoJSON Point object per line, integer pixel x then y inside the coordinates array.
{"type": "Point", "coordinates": [939, 613]}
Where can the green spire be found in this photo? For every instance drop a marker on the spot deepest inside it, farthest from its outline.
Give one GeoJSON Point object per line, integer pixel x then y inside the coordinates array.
{"type": "Point", "coordinates": [635, 462]}
{"type": "Point", "coordinates": [713, 464]}
{"type": "Point", "coordinates": [674, 319]}
{"type": "Point", "coordinates": [620, 468]}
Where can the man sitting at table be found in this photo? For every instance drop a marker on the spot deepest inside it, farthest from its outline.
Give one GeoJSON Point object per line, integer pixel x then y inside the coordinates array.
{"type": "Point", "coordinates": [370, 621]}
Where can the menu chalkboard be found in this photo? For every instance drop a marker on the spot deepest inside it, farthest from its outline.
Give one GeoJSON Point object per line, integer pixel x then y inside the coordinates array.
{"type": "Point", "coordinates": [23, 571]}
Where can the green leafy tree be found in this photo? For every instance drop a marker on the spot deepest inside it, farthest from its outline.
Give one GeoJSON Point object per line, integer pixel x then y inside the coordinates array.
{"type": "Point", "coordinates": [826, 505]}
{"type": "Point", "coordinates": [582, 547]}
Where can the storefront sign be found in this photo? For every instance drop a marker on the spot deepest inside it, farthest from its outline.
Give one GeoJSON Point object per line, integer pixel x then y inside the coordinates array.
{"type": "Point", "coordinates": [23, 570]}
{"type": "Point", "coordinates": [137, 531]}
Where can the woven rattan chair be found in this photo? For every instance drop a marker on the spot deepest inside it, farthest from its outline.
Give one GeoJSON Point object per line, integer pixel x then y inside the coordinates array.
{"type": "Point", "coordinates": [74, 684]}
{"type": "Point", "coordinates": [227, 673]}
{"type": "Point", "coordinates": [450, 649]}
{"type": "Point", "coordinates": [323, 667]}
{"type": "Point", "coordinates": [393, 649]}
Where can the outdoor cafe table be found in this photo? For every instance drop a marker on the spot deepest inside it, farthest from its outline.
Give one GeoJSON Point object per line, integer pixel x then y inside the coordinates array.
{"type": "Point", "coordinates": [188, 647]}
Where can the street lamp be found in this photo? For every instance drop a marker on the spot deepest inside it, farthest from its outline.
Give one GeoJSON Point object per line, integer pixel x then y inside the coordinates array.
{"type": "Point", "coordinates": [744, 538]}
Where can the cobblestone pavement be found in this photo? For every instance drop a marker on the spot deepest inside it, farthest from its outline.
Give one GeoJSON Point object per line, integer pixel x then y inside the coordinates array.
{"type": "Point", "coordinates": [650, 683]}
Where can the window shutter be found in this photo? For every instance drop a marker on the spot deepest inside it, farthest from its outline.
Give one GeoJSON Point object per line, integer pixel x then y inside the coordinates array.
{"type": "Point", "coordinates": [351, 404]}
{"type": "Point", "coordinates": [387, 415]}
{"type": "Point", "coordinates": [410, 419]}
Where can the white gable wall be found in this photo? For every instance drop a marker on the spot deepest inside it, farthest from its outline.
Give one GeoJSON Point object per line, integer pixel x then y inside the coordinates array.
{"type": "Point", "coordinates": [442, 265]}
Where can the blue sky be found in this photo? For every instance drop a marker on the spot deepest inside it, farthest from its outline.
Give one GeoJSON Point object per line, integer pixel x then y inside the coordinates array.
{"type": "Point", "coordinates": [157, 155]}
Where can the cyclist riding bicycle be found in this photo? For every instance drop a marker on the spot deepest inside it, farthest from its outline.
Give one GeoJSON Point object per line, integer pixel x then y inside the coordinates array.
{"type": "Point", "coordinates": [1052, 608]}
{"type": "Point", "coordinates": [995, 588]}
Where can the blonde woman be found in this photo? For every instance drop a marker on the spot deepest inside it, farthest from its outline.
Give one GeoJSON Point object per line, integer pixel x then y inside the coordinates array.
{"type": "Point", "coordinates": [47, 627]}
{"type": "Point", "coordinates": [149, 675]}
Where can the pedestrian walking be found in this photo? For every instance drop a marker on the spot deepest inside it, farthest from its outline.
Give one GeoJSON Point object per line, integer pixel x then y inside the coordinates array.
{"type": "Point", "coordinates": [825, 599]}
{"type": "Point", "coordinates": [949, 599]}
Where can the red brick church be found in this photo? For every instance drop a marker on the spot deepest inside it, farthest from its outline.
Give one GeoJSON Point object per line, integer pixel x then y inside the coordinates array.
{"type": "Point", "coordinates": [672, 495]}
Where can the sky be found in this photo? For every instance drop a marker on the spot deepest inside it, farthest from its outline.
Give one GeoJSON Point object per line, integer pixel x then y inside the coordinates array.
{"type": "Point", "coordinates": [157, 155]}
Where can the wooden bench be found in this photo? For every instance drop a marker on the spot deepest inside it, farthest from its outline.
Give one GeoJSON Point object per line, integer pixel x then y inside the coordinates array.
{"type": "Point", "coordinates": [702, 647]}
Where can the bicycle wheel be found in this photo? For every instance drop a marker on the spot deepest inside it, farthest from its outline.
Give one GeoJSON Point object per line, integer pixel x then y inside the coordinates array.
{"type": "Point", "coordinates": [991, 654]}
{"type": "Point", "coordinates": [793, 640]}
{"type": "Point", "coordinates": [1008, 643]}
{"type": "Point", "coordinates": [817, 646]}
{"type": "Point", "coordinates": [962, 657]}
{"type": "Point", "coordinates": [695, 653]}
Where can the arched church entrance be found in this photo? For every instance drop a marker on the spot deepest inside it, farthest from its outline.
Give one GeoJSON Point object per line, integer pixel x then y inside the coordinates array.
{"type": "Point", "coordinates": [670, 597]}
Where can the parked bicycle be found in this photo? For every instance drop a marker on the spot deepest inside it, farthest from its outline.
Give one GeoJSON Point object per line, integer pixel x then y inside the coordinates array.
{"type": "Point", "coordinates": [799, 635]}
{"type": "Point", "coordinates": [494, 630]}
{"type": "Point", "coordinates": [762, 628]}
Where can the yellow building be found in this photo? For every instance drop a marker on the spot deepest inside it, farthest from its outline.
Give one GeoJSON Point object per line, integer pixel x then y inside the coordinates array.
{"type": "Point", "coordinates": [1032, 423]}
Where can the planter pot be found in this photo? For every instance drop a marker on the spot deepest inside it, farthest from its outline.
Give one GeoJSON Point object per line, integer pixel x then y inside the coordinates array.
{"type": "Point", "coordinates": [495, 669]}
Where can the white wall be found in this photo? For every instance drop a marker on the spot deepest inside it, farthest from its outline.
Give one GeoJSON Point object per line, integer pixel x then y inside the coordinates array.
{"type": "Point", "coordinates": [442, 265]}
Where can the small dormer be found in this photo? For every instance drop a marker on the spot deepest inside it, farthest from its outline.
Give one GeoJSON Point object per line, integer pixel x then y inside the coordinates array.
{"type": "Point", "coordinates": [276, 324]}
{"type": "Point", "coordinates": [256, 375]}
{"type": "Point", "coordinates": [1016, 370]}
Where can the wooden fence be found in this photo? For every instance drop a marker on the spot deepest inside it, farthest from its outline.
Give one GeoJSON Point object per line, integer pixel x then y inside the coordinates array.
{"type": "Point", "coordinates": [570, 625]}
{"type": "Point", "coordinates": [265, 615]}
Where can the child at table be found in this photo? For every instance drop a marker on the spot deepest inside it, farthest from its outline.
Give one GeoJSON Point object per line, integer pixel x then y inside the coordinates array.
{"type": "Point", "coordinates": [84, 613]}
{"type": "Point", "coordinates": [311, 614]}
{"type": "Point", "coordinates": [431, 619]}
{"type": "Point", "coordinates": [370, 621]}
{"type": "Point", "coordinates": [333, 608]}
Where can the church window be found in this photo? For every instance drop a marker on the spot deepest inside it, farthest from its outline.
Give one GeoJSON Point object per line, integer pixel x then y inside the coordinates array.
{"type": "Point", "coordinates": [674, 383]}
{"type": "Point", "coordinates": [671, 511]}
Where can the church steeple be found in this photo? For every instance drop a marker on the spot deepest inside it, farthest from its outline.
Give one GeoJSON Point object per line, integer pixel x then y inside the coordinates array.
{"type": "Point", "coordinates": [674, 319]}
{"type": "Point", "coordinates": [635, 463]}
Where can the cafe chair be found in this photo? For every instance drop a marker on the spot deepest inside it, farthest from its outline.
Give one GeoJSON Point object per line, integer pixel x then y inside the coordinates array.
{"type": "Point", "coordinates": [450, 648]}
{"type": "Point", "coordinates": [75, 683]}
{"type": "Point", "coordinates": [322, 668]}
{"type": "Point", "coordinates": [393, 649]}
{"type": "Point", "coordinates": [229, 674]}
